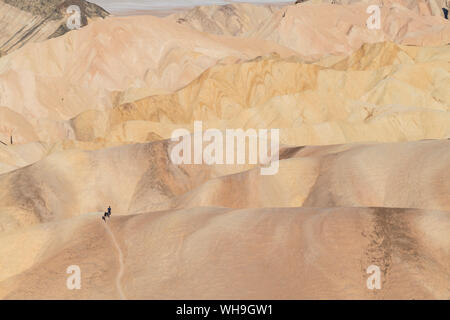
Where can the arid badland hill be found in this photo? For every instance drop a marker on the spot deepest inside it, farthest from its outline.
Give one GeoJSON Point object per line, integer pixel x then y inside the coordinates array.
{"type": "Point", "coordinates": [364, 160]}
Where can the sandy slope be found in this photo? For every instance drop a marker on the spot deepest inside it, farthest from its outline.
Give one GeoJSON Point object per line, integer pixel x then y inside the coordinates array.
{"type": "Point", "coordinates": [71, 183]}
{"type": "Point", "coordinates": [229, 254]}
{"type": "Point", "coordinates": [363, 173]}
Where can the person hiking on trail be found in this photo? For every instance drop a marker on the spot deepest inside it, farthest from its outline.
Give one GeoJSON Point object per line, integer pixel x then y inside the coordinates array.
{"type": "Point", "coordinates": [107, 214]}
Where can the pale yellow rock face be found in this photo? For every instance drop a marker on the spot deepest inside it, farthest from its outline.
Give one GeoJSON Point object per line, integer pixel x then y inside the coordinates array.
{"type": "Point", "coordinates": [363, 174]}
{"type": "Point", "coordinates": [382, 92]}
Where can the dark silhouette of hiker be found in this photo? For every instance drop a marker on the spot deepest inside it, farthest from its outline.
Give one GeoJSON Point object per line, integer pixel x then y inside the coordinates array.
{"type": "Point", "coordinates": [107, 214]}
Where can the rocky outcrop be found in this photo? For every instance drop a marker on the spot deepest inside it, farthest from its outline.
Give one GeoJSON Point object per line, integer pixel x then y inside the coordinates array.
{"type": "Point", "coordinates": [25, 21]}
{"type": "Point", "coordinates": [237, 19]}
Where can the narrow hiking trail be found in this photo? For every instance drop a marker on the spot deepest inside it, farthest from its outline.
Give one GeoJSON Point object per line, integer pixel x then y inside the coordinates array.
{"type": "Point", "coordinates": [121, 264]}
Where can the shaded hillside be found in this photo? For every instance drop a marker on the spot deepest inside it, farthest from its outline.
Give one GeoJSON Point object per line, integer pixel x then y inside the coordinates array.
{"type": "Point", "coordinates": [236, 19]}
{"type": "Point", "coordinates": [26, 21]}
